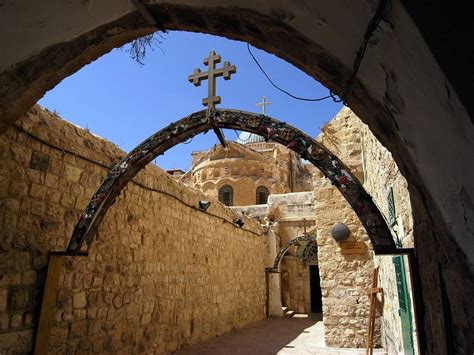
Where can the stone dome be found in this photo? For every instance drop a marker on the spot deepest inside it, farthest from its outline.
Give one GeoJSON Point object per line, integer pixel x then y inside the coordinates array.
{"type": "Point", "coordinates": [247, 137]}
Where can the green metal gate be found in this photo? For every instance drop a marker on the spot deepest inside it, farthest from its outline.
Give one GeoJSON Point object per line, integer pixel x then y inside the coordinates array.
{"type": "Point", "coordinates": [404, 305]}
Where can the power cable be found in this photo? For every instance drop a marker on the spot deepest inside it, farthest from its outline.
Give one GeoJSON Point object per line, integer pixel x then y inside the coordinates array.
{"type": "Point", "coordinates": [373, 24]}
{"type": "Point", "coordinates": [331, 95]}
{"type": "Point", "coordinates": [106, 167]}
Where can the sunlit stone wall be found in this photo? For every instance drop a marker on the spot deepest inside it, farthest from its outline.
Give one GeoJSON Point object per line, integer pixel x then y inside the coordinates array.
{"type": "Point", "coordinates": [160, 275]}
{"type": "Point", "coordinates": [355, 144]}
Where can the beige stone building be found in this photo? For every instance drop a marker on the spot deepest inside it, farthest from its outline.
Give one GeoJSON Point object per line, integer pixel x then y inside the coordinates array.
{"type": "Point", "coordinates": [328, 281]}
{"type": "Point", "coordinates": [246, 172]}
{"type": "Point", "coordinates": [414, 90]}
{"type": "Point", "coordinates": [162, 274]}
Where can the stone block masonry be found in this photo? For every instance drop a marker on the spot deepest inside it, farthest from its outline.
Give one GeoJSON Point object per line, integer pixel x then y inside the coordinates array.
{"type": "Point", "coordinates": [159, 276]}
{"type": "Point", "coordinates": [358, 148]}
{"type": "Point", "coordinates": [345, 279]}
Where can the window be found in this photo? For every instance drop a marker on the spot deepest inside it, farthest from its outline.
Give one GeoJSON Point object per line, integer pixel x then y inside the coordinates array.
{"type": "Point", "coordinates": [262, 195]}
{"type": "Point", "coordinates": [226, 195]}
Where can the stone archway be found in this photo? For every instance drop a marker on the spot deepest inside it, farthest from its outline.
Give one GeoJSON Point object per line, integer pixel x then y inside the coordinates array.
{"type": "Point", "coordinates": [292, 242]}
{"type": "Point", "coordinates": [201, 121]}
{"type": "Point", "coordinates": [401, 93]}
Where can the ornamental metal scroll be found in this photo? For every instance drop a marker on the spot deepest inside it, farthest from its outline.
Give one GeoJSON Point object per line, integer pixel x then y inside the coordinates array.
{"type": "Point", "coordinates": [308, 251]}
{"type": "Point", "coordinates": [292, 242]}
{"type": "Point", "coordinates": [271, 129]}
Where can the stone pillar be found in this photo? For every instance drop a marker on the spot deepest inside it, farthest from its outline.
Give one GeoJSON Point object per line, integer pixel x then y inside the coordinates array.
{"type": "Point", "coordinates": [274, 285]}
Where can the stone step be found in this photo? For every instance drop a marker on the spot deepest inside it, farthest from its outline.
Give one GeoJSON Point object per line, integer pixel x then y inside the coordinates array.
{"type": "Point", "coordinates": [289, 313]}
{"type": "Point", "coordinates": [284, 309]}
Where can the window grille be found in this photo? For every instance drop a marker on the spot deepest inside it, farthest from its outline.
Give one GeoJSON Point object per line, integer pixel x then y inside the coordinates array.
{"type": "Point", "coordinates": [226, 195]}
{"type": "Point", "coordinates": [392, 217]}
{"type": "Point", "coordinates": [262, 195]}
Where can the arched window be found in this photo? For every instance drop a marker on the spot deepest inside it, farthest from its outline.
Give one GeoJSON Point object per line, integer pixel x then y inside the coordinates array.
{"type": "Point", "coordinates": [226, 195]}
{"type": "Point", "coordinates": [262, 195]}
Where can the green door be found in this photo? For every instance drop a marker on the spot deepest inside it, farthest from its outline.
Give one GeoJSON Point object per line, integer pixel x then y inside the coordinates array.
{"type": "Point", "coordinates": [405, 305]}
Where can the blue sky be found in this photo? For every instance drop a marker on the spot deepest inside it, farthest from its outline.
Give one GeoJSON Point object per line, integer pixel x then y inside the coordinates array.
{"type": "Point", "coordinates": [125, 102]}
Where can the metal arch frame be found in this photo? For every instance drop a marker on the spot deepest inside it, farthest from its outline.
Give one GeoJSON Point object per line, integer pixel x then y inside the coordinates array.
{"type": "Point", "coordinates": [202, 121]}
{"type": "Point", "coordinates": [292, 242]}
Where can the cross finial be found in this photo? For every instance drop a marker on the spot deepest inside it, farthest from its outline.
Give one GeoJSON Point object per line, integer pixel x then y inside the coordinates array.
{"type": "Point", "coordinates": [304, 227]}
{"type": "Point", "coordinates": [211, 74]}
{"type": "Point", "coordinates": [264, 104]}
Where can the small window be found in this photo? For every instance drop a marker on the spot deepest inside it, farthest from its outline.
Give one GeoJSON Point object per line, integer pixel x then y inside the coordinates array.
{"type": "Point", "coordinates": [262, 195]}
{"type": "Point", "coordinates": [226, 195]}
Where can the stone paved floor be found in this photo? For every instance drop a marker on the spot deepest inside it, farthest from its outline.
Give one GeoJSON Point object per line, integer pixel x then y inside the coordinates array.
{"type": "Point", "coordinates": [300, 335]}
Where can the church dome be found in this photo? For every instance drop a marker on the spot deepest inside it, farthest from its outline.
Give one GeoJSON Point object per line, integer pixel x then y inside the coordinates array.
{"type": "Point", "coordinates": [246, 137]}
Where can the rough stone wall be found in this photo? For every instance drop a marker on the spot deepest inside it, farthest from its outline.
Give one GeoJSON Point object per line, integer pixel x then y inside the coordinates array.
{"type": "Point", "coordinates": [381, 173]}
{"type": "Point", "coordinates": [361, 151]}
{"type": "Point", "coordinates": [345, 279]}
{"type": "Point", "coordinates": [295, 284]}
{"type": "Point", "coordinates": [160, 275]}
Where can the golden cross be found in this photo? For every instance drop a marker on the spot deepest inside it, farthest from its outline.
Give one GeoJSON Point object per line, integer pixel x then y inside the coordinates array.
{"type": "Point", "coordinates": [264, 104]}
{"type": "Point", "coordinates": [211, 74]}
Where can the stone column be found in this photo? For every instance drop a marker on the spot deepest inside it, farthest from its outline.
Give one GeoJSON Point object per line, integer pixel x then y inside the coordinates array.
{"type": "Point", "coordinates": [274, 285]}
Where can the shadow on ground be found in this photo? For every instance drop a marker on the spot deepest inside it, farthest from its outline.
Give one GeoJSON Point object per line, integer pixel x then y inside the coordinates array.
{"type": "Point", "coordinates": [268, 336]}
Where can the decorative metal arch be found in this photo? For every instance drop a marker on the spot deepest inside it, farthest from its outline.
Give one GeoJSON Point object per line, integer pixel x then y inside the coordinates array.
{"type": "Point", "coordinates": [292, 242]}
{"type": "Point", "coordinates": [270, 129]}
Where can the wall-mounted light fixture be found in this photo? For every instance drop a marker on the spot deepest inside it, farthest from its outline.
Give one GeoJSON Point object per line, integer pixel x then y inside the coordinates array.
{"type": "Point", "coordinates": [204, 205]}
{"type": "Point", "coordinates": [340, 232]}
{"type": "Point", "coordinates": [238, 222]}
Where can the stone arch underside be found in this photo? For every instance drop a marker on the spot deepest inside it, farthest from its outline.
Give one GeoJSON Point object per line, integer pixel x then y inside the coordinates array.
{"type": "Point", "coordinates": [201, 121]}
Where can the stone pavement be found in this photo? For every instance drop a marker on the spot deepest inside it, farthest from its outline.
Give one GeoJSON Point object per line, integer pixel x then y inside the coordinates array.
{"type": "Point", "coordinates": [300, 335]}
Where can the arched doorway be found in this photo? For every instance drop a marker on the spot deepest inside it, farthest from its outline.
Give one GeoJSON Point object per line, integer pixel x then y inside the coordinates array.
{"type": "Point", "coordinates": [307, 250]}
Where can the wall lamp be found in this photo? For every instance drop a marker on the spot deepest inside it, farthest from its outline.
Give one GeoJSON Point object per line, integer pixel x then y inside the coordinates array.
{"type": "Point", "coordinates": [204, 205]}
{"type": "Point", "coordinates": [238, 222]}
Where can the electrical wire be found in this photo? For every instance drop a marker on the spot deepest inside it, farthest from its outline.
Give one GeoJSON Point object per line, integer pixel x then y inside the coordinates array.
{"type": "Point", "coordinates": [371, 27]}
{"type": "Point", "coordinates": [373, 24]}
{"type": "Point", "coordinates": [242, 140]}
{"type": "Point", "coordinates": [330, 96]}
{"type": "Point", "coordinates": [67, 151]}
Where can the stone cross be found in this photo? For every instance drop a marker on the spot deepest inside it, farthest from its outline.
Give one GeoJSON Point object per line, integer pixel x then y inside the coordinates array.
{"type": "Point", "coordinates": [264, 104]}
{"type": "Point", "coordinates": [211, 74]}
